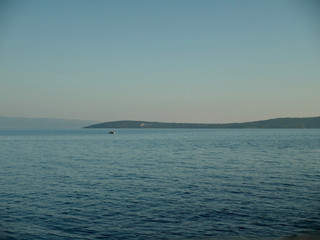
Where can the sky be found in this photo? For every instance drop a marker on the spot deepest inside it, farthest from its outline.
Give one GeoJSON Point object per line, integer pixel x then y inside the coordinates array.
{"type": "Point", "coordinates": [200, 61]}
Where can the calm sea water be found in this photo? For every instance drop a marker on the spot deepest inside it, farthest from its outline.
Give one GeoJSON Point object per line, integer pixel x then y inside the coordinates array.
{"type": "Point", "coordinates": [159, 184]}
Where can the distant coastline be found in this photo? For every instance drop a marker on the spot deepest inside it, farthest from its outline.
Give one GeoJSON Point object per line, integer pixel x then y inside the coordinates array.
{"type": "Point", "coordinates": [308, 122]}
{"type": "Point", "coordinates": [41, 123]}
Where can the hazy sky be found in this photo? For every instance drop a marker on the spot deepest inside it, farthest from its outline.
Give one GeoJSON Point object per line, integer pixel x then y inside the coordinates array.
{"type": "Point", "coordinates": [176, 60]}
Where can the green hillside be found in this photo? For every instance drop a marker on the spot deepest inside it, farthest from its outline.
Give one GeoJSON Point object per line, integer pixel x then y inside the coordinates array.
{"type": "Point", "coordinates": [311, 122]}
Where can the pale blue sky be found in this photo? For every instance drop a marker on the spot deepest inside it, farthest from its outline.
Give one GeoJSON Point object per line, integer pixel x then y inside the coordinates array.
{"type": "Point", "coordinates": [176, 61]}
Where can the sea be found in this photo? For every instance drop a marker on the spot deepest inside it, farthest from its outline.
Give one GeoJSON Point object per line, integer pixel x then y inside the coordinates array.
{"type": "Point", "coordinates": [198, 184]}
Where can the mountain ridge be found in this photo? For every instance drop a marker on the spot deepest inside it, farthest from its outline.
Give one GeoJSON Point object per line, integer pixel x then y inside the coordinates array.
{"type": "Point", "coordinates": [289, 122]}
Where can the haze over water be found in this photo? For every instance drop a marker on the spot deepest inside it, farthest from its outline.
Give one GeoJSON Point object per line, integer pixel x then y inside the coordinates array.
{"type": "Point", "coordinates": [197, 61]}
{"type": "Point", "coordinates": [159, 184]}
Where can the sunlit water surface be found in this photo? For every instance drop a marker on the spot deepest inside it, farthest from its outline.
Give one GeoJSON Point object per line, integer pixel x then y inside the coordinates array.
{"type": "Point", "coordinates": [159, 183]}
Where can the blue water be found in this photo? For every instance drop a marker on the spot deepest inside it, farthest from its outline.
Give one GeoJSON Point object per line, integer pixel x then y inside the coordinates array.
{"type": "Point", "coordinates": [159, 183]}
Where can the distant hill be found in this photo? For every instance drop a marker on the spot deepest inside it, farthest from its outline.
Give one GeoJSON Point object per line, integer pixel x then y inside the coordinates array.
{"type": "Point", "coordinates": [16, 122]}
{"type": "Point", "coordinates": [311, 122]}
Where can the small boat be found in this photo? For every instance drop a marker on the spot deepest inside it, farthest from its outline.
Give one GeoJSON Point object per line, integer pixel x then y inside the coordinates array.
{"type": "Point", "coordinates": [112, 132]}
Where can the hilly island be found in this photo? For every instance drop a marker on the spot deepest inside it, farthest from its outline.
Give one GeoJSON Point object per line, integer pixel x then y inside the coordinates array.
{"type": "Point", "coordinates": [310, 122]}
